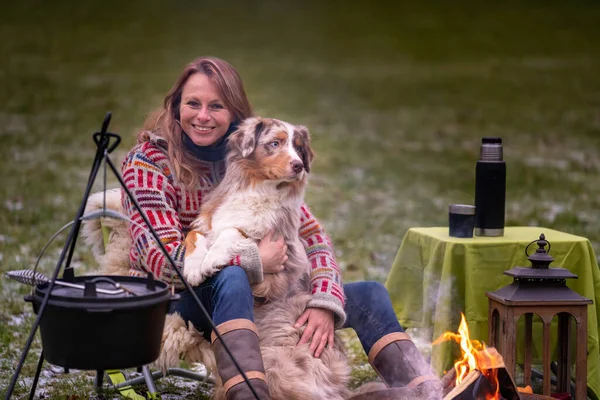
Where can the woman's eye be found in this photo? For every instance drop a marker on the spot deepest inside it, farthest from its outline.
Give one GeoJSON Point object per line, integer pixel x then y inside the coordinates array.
{"type": "Point", "coordinates": [193, 103]}
{"type": "Point", "coordinates": [217, 106]}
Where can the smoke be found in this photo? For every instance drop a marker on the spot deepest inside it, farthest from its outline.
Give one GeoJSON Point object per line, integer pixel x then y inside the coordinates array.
{"type": "Point", "coordinates": [440, 310]}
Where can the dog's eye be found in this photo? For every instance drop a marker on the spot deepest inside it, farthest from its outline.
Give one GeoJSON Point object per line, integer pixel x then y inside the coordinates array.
{"type": "Point", "coordinates": [274, 144]}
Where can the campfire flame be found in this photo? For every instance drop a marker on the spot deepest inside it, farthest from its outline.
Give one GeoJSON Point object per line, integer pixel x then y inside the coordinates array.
{"type": "Point", "coordinates": [475, 356]}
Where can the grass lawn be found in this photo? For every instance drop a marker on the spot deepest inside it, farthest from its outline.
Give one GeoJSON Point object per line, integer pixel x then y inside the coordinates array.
{"type": "Point", "coordinates": [396, 98]}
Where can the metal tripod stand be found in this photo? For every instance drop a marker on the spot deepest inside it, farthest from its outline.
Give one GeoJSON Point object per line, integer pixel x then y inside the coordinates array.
{"type": "Point", "coordinates": [106, 142]}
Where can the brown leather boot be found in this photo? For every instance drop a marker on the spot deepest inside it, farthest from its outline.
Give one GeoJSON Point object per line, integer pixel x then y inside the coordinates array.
{"type": "Point", "coordinates": [399, 363]}
{"type": "Point", "coordinates": [241, 337]}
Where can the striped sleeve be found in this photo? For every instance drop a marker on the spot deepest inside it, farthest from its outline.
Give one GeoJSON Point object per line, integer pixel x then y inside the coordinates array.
{"type": "Point", "coordinates": [325, 275]}
{"type": "Point", "coordinates": [146, 175]}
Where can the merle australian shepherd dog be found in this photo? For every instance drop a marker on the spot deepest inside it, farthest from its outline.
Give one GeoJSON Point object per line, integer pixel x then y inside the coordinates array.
{"type": "Point", "coordinates": [263, 188]}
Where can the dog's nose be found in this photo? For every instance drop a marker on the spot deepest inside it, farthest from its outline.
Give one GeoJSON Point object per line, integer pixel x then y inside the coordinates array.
{"type": "Point", "coordinates": [297, 166]}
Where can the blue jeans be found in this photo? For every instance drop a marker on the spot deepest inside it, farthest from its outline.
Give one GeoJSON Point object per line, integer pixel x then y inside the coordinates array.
{"type": "Point", "coordinates": [228, 295]}
{"type": "Point", "coordinates": [369, 312]}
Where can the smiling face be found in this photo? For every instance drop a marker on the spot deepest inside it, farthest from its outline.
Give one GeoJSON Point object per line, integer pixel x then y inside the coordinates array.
{"type": "Point", "coordinates": [203, 115]}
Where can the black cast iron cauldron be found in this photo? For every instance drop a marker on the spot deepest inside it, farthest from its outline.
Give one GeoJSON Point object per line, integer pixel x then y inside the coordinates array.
{"type": "Point", "coordinates": [91, 329]}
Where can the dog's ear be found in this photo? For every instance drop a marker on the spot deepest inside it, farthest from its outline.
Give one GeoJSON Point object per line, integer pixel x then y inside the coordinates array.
{"type": "Point", "coordinates": [302, 145]}
{"type": "Point", "coordinates": [245, 138]}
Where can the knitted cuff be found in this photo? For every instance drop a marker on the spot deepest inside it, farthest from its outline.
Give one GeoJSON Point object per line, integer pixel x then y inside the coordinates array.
{"type": "Point", "coordinates": [332, 303]}
{"type": "Point", "coordinates": [251, 262]}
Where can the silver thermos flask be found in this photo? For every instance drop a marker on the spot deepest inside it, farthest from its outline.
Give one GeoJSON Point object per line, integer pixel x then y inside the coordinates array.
{"type": "Point", "coordinates": [490, 189]}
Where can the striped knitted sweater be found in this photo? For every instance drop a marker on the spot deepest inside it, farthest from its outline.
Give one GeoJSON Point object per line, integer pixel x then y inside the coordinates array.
{"type": "Point", "coordinates": [171, 208]}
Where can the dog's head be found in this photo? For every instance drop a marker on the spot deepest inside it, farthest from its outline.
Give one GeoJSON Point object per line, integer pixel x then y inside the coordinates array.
{"type": "Point", "coordinates": [273, 149]}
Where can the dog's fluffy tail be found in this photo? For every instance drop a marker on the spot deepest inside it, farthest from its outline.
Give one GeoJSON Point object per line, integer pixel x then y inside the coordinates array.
{"type": "Point", "coordinates": [112, 256]}
{"type": "Point", "coordinates": [181, 341]}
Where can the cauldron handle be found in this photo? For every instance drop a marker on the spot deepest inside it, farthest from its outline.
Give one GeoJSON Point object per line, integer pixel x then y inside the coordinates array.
{"type": "Point", "coordinates": [106, 279]}
{"type": "Point", "coordinates": [90, 215]}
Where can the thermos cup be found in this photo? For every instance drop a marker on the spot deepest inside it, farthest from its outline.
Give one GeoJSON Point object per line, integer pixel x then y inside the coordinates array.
{"type": "Point", "coordinates": [490, 189]}
{"type": "Point", "coordinates": [461, 218]}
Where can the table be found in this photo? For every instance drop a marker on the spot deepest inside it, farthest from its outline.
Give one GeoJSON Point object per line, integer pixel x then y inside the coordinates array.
{"type": "Point", "coordinates": [435, 277]}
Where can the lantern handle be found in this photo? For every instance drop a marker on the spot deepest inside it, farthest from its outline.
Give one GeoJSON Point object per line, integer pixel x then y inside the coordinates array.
{"type": "Point", "coordinates": [542, 238]}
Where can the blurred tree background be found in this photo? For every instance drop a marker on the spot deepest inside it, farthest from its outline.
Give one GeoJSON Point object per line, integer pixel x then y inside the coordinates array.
{"type": "Point", "coordinates": [396, 96]}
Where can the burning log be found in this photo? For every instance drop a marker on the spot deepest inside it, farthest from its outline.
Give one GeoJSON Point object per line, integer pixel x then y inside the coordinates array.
{"type": "Point", "coordinates": [496, 384]}
{"type": "Point", "coordinates": [479, 374]}
{"type": "Point", "coordinates": [448, 381]}
{"type": "Point", "coordinates": [488, 381]}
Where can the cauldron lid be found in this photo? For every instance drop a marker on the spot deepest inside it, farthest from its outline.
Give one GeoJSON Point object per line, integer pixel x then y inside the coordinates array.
{"type": "Point", "coordinates": [134, 291]}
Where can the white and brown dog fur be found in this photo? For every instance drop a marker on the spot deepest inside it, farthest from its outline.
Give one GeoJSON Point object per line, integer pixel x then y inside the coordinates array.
{"type": "Point", "coordinates": [262, 190]}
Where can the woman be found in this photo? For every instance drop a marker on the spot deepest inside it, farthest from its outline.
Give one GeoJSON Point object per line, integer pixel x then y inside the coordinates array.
{"type": "Point", "coordinates": [179, 158]}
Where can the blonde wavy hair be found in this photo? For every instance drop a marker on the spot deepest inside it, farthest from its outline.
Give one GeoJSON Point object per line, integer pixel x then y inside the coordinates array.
{"type": "Point", "coordinates": [165, 121]}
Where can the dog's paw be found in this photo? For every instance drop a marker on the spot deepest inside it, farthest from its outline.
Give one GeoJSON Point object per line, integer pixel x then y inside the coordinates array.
{"type": "Point", "coordinates": [195, 251]}
{"type": "Point", "coordinates": [196, 274]}
{"type": "Point", "coordinates": [211, 266]}
{"type": "Point", "coordinates": [193, 275]}
{"type": "Point", "coordinates": [222, 251]}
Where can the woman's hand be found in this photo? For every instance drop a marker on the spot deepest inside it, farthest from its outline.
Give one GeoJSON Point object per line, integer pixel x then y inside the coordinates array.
{"type": "Point", "coordinates": [319, 329]}
{"type": "Point", "coordinates": [273, 254]}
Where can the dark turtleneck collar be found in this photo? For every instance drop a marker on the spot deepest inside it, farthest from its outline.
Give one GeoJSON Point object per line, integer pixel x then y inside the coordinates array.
{"type": "Point", "coordinates": [209, 153]}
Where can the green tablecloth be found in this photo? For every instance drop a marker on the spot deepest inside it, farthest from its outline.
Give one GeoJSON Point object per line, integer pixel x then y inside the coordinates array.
{"type": "Point", "coordinates": [435, 277]}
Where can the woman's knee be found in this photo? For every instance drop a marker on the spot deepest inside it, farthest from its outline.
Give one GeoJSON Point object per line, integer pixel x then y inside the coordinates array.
{"type": "Point", "coordinates": [233, 280]}
{"type": "Point", "coordinates": [232, 295]}
{"type": "Point", "coordinates": [365, 290]}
